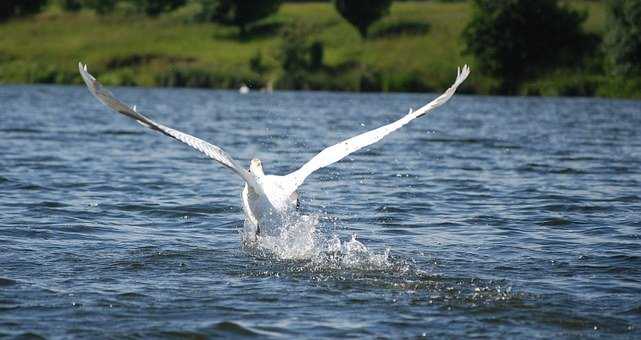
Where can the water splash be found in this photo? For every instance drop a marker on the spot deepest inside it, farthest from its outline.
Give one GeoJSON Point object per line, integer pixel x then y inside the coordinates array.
{"type": "Point", "coordinates": [296, 239]}
{"type": "Point", "coordinates": [301, 238]}
{"type": "Point", "coordinates": [307, 247]}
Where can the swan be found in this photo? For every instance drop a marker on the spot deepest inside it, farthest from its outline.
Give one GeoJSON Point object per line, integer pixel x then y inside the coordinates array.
{"type": "Point", "coordinates": [269, 199]}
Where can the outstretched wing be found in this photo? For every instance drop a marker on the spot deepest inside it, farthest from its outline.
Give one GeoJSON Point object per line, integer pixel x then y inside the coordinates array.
{"type": "Point", "coordinates": [337, 152]}
{"type": "Point", "coordinates": [214, 152]}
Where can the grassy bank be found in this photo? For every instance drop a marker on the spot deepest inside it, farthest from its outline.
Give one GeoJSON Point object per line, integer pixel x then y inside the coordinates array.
{"type": "Point", "coordinates": [416, 48]}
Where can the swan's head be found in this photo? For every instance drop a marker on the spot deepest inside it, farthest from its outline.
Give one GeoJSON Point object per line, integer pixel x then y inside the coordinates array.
{"type": "Point", "coordinates": [256, 167]}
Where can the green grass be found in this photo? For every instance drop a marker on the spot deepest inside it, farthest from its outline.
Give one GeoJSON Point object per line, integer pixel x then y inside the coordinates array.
{"type": "Point", "coordinates": [128, 49]}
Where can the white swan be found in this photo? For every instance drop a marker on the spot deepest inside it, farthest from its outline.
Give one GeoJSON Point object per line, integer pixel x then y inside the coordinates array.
{"type": "Point", "coordinates": [267, 199]}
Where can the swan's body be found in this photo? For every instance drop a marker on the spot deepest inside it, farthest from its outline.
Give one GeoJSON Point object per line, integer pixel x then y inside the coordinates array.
{"type": "Point", "coordinates": [268, 199]}
{"type": "Point", "coordinates": [265, 214]}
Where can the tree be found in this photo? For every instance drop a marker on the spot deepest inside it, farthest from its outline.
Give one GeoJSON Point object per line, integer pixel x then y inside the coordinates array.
{"type": "Point", "coordinates": [623, 40]}
{"type": "Point", "coordinates": [239, 12]}
{"type": "Point", "coordinates": [156, 7]}
{"type": "Point", "coordinates": [514, 40]}
{"type": "Point", "coordinates": [362, 13]}
{"type": "Point", "coordinates": [15, 8]}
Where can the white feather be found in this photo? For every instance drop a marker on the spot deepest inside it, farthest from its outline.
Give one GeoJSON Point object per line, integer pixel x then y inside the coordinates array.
{"type": "Point", "coordinates": [269, 197]}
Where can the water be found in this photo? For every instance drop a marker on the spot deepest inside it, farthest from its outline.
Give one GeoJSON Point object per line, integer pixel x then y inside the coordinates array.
{"type": "Point", "coordinates": [493, 217]}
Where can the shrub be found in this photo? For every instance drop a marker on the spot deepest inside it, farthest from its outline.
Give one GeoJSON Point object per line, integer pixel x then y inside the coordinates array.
{"type": "Point", "coordinates": [297, 53]}
{"type": "Point", "coordinates": [15, 8]}
{"type": "Point", "coordinates": [301, 59]}
{"type": "Point", "coordinates": [102, 7]}
{"type": "Point", "coordinates": [316, 55]}
{"type": "Point", "coordinates": [71, 5]}
{"type": "Point", "coordinates": [362, 13]}
{"type": "Point", "coordinates": [156, 7]}
{"type": "Point", "coordinates": [514, 40]}
{"type": "Point", "coordinates": [623, 40]}
{"type": "Point", "coordinates": [393, 29]}
{"type": "Point", "coordinates": [238, 12]}
{"type": "Point", "coordinates": [257, 65]}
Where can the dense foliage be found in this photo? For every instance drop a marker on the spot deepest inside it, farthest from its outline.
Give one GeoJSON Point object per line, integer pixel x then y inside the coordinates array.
{"type": "Point", "coordinates": [363, 13]}
{"type": "Point", "coordinates": [156, 7]}
{"type": "Point", "coordinates": [624, 36]}
{"type": "Point", "coordinates": [71, 5]}
{"type": "Point", "coordinates": [300, 58]}
{"type": "Point", "coordinates": [238, 12]}
{"type": "Point", "coordinates": [515, 40]}
{"type": "Point", "coordinates": [102, 7]}
{"type": "Point", "coordinates": [14, 8]}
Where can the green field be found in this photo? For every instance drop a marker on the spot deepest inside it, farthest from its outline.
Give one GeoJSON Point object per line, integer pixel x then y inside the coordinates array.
{"type": "Point", "coordinates": [175, 50]}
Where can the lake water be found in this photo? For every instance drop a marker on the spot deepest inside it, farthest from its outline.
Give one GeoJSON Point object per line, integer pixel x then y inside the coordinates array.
{"type": "Point", "coordinates": [492, 217]}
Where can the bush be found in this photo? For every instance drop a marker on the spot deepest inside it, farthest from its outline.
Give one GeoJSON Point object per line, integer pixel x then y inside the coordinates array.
{"type": "Point", "coordinates": [620, 86]}
{"type": "Point", "coordinates": [316, 55]}
{"type": "Point", "coordinates": [515, 40]}
{"type": "Point", "coordinates": [154, 8]}
{"type": "Point", "coordinates": [301, 59]}
{"type": "Point", "coordinates": [205, 77]}
{"type": "Point", "coordinates": [623, 40]}
{"type": "Point", "coordinates": [298, 54]}
{"type": "Point", "coordinates": [362, 13]}
{"type": "Point", "coordinates": [371, 81]}
{"type": "Point", "coordinates": [238, 12]}
{"type": "Point", "coordinates": [563, 83]}
{"type": "Point", "coordinates": [400, 28]}
{"type": "Point", "coordinates": [257, 65]}
{"type": "Point", "coordinates": [15, 8]}
{"type": "Point", "coordinates": [102, 7]}
{"type": "Point", "coordinates": [71, 5]}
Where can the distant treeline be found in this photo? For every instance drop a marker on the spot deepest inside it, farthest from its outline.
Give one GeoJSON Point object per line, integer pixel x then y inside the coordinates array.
{"type": "Point", "coordinates": [519, 45]}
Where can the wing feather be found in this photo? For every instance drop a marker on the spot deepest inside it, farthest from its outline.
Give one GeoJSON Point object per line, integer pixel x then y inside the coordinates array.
{"type": "Point", "coordinates": [339, 151]}
{"type": "Point", "coordinates": [212, 151]}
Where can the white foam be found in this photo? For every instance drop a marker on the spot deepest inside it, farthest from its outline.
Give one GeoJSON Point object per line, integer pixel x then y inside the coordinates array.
{"type": "Point", "coordinates": [301, 239]}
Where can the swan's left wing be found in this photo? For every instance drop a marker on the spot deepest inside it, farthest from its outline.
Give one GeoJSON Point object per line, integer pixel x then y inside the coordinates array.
{"type": "Point", "coordinates": [337, 152]}
{"type": "Point", "coordinates": [212, 151]}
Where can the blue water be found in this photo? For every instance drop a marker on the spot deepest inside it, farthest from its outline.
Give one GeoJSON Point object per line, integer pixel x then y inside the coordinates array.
{"type": "Point", "coordinates": [492, 217]}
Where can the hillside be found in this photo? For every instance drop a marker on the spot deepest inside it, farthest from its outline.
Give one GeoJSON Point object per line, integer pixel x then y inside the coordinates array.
{"type": "Point", "coordinates": [416, 48]}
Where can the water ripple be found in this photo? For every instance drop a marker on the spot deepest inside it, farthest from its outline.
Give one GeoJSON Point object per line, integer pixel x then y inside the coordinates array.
{"type": "Point", "coordinates": [494, 217]}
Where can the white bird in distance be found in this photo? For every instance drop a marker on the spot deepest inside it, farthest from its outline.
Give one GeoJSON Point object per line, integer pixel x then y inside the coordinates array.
{"type": "Point", "coordinates": [268, 199]}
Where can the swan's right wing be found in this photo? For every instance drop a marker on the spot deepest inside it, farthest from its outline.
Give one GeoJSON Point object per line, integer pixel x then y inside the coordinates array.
{"type": "Point", "coordinates": [214, 152]}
